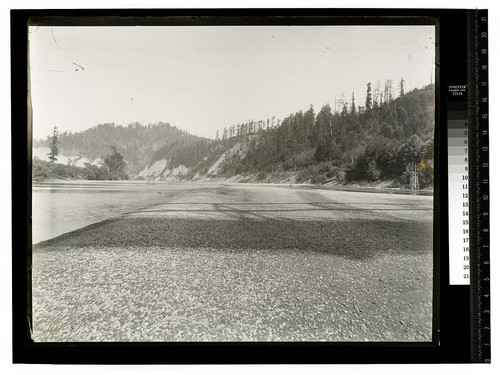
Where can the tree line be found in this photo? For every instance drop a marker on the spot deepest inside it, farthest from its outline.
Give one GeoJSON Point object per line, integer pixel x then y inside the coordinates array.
{"type": "Point", "coordinates": [349, 143]}
{"type": "Point", "coordinates": [374, 142]}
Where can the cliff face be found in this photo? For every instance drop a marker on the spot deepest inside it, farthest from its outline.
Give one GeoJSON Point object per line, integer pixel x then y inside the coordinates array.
{"type": "Point", "coordinates": [41, 153]}
{"type": "Point", "coordinates": [159, 171]}
{"type": "Point", "coordinates": [166, 170]}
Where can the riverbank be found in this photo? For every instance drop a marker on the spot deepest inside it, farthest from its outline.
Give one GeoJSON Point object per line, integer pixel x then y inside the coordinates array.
{"type": "Point", "coordinates": [375, 187]}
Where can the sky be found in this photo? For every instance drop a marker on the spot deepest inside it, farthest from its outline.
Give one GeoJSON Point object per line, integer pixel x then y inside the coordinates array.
{"type": "Point", "coordinates": [205, 78]}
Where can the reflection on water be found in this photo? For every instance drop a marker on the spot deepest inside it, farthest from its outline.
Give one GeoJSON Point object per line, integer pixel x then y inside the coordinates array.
{"type": "Point", "coordinates": [65, 206]}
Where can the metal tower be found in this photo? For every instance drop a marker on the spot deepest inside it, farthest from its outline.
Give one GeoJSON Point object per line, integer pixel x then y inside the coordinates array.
{"type": "Point", "coordinates": [414, 187]}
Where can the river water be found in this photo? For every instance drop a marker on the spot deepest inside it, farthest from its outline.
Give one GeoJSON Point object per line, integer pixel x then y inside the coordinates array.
{"type": "Point", "coordinates": [60, 207]}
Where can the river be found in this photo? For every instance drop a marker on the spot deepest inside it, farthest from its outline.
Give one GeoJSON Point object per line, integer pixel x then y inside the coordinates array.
{"type": "Point", "coordinates": [60, 207]}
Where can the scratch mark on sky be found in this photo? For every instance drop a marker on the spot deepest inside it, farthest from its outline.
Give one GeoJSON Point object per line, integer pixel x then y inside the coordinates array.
{"type": "Point", "coordinates": [53, 36]}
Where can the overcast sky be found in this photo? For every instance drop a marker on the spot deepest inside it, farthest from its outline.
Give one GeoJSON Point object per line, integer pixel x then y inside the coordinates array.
{"type": "Point", "coordinates": [204, 78]}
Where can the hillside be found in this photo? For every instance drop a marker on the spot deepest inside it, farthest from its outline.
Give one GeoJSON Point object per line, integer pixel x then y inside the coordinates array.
{"type": "Point", "coordinates": [353, 145]}
{"type": "Point", "coordinates": [137, 143]}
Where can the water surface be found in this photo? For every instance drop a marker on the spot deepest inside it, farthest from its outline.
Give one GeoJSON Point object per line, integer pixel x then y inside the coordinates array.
{"type": "Point", "coordinates": [60, 207]}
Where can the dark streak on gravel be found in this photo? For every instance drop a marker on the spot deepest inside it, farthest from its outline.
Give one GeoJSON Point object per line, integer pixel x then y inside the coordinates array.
{"type": "Point", "coordinates": [356, 239]}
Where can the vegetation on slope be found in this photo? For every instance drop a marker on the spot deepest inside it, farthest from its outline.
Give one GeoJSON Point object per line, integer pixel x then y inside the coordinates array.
{"type": "Point", "coordinates": [112, 169]}
{"type": "Point", "coordinates": [378, 143]}
{"type": "Point", "coordinates": [137, 143]}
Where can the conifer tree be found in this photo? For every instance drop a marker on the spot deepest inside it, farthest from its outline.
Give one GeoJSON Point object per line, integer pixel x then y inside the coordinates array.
{"type": "Point", "coordinates": [54, 141]}
{"type": "Point", "coordinates": [368, 104]}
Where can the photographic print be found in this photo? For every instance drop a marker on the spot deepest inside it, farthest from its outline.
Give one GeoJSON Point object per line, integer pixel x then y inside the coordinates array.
{"type": "Point", "coordinates": [232, 183]}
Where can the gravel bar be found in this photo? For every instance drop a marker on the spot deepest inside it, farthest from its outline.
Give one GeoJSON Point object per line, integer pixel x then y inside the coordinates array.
{"type": "Point", "coordinates": [242, 263]}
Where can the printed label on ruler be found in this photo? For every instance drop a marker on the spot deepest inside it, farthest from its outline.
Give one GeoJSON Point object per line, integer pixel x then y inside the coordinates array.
{"type": "Point", "coordinates": [458, 195]}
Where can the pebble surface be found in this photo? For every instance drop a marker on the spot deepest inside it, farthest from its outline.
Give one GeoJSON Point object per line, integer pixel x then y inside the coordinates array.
{"type": "Point", "coordinates": [242, 263]}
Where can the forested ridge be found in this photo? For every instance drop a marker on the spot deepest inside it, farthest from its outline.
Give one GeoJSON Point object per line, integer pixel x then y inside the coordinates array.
{"type": "Point", "coordinates": [372, 144]}
{"type": "Point", "coordinates": [347, 145]}
{"type": "Point", "coordinates": [375, 141]}
{"type": "Point", "coordinates": [136, 142]}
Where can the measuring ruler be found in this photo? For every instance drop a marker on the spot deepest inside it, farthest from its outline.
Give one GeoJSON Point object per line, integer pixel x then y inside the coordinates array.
{"type": "Point", "coordinates": [468, 184]}
{"type": "Point", "coordinates": [479, 193]}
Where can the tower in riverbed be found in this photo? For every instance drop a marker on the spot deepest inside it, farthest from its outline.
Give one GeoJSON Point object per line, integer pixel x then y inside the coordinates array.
{"type": "Point", "coordinates": [414, 187]}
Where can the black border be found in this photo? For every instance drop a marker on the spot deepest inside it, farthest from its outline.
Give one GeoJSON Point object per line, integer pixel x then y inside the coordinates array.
{"type": "Point", "coordinates": [451, 318]}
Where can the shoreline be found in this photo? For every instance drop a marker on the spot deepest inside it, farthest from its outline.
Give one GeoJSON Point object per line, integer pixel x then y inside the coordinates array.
{"type": "Point", "coordinates": [375, 188]}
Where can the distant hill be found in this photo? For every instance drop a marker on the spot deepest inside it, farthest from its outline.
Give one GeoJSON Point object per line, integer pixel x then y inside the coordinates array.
{"type": "Point", "coordinates": [137, 143]}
